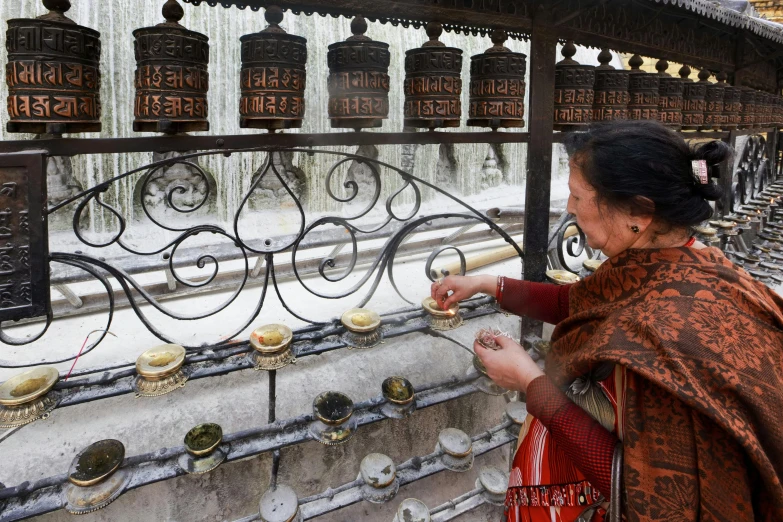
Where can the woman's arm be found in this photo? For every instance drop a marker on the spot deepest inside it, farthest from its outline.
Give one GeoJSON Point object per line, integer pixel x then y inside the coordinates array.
{"type": "Point", "coordinates": [542, 301]}
{"type": "Point", "coordinates": [586, 442]}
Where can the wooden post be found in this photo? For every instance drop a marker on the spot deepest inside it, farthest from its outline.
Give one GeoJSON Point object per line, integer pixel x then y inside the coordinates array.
{"type": "Point", "coordinates": [543, 55]}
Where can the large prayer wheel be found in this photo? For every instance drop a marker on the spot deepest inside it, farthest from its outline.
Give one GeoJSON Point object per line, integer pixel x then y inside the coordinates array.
{"type": "Point", "coordinates": [497, 86]}
{"type": "Point", "coordinates": [272, 79]}
{"type": "Point", "coordinates": [713, 98]}
{"type": "Point", "coordinates": [731, 104]}
{"type": "Point", "coordinates": [172, 77]}
{"type": "Point", "coordinates": [433, 86]}
{"type": "Point", "coordinates": [358, 80]}
{"type": "Point", "coordinates": [693, 104]}
{"type": "Point", "coordinates": [748, 110]}
{"type": "Point", "coordinates": [669, 96]}
{"type": "Point", "coordinates": [643, 90]}
{"type": "Point", "coordinates": [610, 100]}
{"type": "Point", "coordinates": [574, 92]}
{"type": "Point", "coordinates": [52, 74]}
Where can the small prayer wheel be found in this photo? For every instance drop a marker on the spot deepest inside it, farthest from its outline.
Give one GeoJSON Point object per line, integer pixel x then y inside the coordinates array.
{"type": "Point", "coordinates": [731, 104]}
{"type": "Point", "coordinates": [643, 88]}
{"type": "Point", "coordinates": [433, 86]}
{"type": "Point", "coordinates": [610, 101]}
{"type": "Point", "coordinates": [497, 86]}
{"type": "Point", "coordinates": [172, 77]}
{"type": "Point", "coordinates": [669, 96]}
{"type": "Point", "coordinates": [713, 97]}
{"type": "Point", "coordinates": [52, 74]}
{"type": "Point", "coordinates": [272, 77]}
{"type": "Point", "coordinates": [748, 110]}
{"type": "Point", "coordinates": [763, 108]}
{"type": "Point", "coordinates": [693, 101]}
{"type": "Point", "coordinates": [358, 80]}
{"type": "Point", "coordinates": [573, 91]}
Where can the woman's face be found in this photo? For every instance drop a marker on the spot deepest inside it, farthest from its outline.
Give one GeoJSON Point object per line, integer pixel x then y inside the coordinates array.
{"type": "Point", "coordinates": [607, 229]}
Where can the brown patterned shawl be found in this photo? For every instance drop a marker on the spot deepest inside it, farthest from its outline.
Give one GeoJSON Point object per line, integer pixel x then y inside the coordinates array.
{"type": "Point", "coordinates": [703, 345]}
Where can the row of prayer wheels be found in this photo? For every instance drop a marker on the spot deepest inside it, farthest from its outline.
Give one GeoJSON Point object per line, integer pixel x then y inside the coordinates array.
{"type": "Point", "coordinates": [586, 94]}
{"type": "Point", "coordinates": [54, 78]}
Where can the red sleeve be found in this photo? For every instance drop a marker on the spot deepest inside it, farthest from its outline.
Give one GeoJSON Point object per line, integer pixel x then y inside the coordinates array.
{"type": "Point", "coordinates": [588, 444]}
{"type": "Point", "coordinates": [542, 301]}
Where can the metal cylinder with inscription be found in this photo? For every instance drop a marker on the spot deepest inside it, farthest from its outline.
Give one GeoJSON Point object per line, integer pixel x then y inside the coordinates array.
{"type": "Point", "coordinates": [52, 74]}
{"type": "Point", "coordinates": [669, 96]}
{"type": "Point", "coordinates": [713, 98]}
{"type": "Point", "coordinates": [643, 88]}
{"type": "Point", "coordinates": [762, 108]}
{"type": "Point", "coordinates": [731, 105]}
{"type": "Point", "coordinates": [610, 101]}
{"type": "Point", "coordinates": [693, 102]}
{"type": "Point", "coordinates": [497, 86]}
{"type": "Point", "coordinates": [272, 79]}
{"type": "Point", "coordinates": [171, 76]}
{"type": "Point", "coordinates": [573, 91]}
{"type": "Point", "coordinates": [748, 110]}
{"type": "Point", "coordinates": [358, 80]}
{"type": "Point", "coordinates": [433, 86]}
{"type": "Point", "coordinates": [778, 112]}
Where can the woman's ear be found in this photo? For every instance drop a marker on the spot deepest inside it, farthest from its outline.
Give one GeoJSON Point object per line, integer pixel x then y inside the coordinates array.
{"type": "Point", "coordinates": [642, 208]}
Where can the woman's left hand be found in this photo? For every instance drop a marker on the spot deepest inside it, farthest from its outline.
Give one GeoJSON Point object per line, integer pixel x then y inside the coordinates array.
{"type": "Point", "coordinates": [510, 367]}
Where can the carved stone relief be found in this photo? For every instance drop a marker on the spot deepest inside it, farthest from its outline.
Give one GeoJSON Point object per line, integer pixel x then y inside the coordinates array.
{"type": "Point", "coordinates": [270, 192]}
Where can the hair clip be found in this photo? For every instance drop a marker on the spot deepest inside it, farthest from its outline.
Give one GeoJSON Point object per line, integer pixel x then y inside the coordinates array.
{"type": "Point", "coordinates": [700, 171]}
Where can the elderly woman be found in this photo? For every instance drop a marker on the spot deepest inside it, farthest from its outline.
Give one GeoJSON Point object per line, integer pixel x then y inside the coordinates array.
{"type": "Point", "coordinates": [668, 349]}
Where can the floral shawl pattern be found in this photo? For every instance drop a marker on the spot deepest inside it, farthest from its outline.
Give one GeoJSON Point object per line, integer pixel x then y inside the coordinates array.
{"type": "Point", "coordinates": [703, 345]}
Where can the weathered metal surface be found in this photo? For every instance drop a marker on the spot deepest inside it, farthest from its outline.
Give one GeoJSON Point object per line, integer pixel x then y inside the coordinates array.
{"type": "Point", "coordinates": [52, 74]}
{"type": "Point", "coordinates": [611, 90]}
{"type": "Point", "coordinates": [497, 86]}
{"type": "Point", "coordinates": [273, 77]}
{"type": "Point", "coordinates": [714, 96]}
{"type": "Point", "coordinates": [670, 98]}
{"type": "Point", "coordinates": [693, 101]}
{"type": "Point", "coordinates": [573, 91]}
{"type": "Point", "coordinates": [171, 76]}
{"type": "Point", "coordinates": [433, 86]}
{"type": "Point", "coordinates": [24, 255]}
{"type": "Point", "coordinates": [643, 88]}
{"type": "Point", "coordinates": [358, 80]}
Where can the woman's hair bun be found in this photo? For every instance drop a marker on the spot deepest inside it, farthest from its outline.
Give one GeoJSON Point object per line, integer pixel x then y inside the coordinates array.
{"type": "Point", "coordinates": [713, 152]}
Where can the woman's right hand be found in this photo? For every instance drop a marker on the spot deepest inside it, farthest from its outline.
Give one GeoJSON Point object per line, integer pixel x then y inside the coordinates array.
{"type": "Point", "coordinates": [461, 288]}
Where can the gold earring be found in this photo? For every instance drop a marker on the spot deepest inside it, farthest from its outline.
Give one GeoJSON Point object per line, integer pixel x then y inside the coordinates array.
{"type": "Point", "coordinates": [635, 229]}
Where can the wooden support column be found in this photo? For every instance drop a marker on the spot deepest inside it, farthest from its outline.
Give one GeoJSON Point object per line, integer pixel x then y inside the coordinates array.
{"type": "Point", "coordinates": [543, 55]}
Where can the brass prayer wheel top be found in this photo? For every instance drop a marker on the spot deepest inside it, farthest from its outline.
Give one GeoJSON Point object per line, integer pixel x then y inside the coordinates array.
{"type": "Point", "coordinates": [611, 96]}
{"type": "Point", "coordinates": [497, 86]}
{"type": "Point", "coordinates": [433, 86]}
{"type": "Point", "coordinates": [96, 462]}
{"type": "Point", "coordinates": [171, 76]}
{"type": "Point", "coordinates": [273, 76]}
{"type": "Point", "coordinates": [433, 308]}
{"type": "Point", "coordinates": [202, 440]}
{"type": "Point", "coordinates": [360, 320]}
{"type": "Point", "coordinates": [28, 386]}
{"type": "Point", "coordinates": [52, 74]}
{"type": "Point", "coordinates": [358, 80]}
{"type": "Point", "coordinates": [573, 91]}
{"type": "Point", "coordinates": [592, 264]}
{"type": "Point", "coordinates": [160, 362]}
{"type": "Point", "coordinates": [271, 338]}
